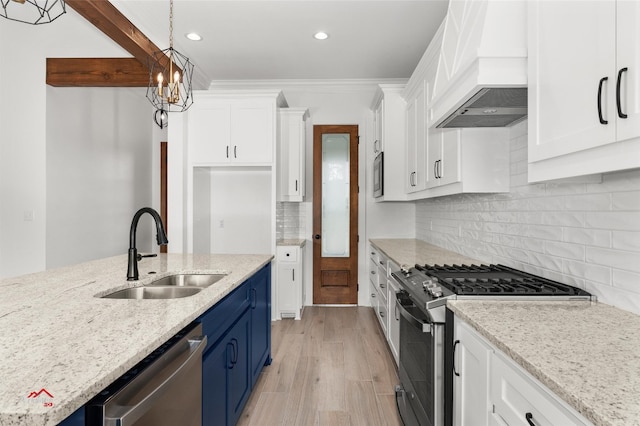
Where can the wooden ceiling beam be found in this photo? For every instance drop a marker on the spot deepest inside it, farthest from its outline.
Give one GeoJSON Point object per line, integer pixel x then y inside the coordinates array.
{"type": "Point", "coordinates": [104, 16]}
{"type": "Point", "coordinates": [106, 72]}
{"type": "Point", "coordinates": [96, 72]}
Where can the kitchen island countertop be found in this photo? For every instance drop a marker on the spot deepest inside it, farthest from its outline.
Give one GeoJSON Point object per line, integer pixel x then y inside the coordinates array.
{"type": "Point", "coordinates": [61, 344]}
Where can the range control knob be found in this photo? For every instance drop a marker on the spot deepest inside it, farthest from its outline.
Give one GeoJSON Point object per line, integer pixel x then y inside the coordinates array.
{"type": "Point", "coordinates": [405, 269]}
{"type": "Point", "coordinates": [436, 291]}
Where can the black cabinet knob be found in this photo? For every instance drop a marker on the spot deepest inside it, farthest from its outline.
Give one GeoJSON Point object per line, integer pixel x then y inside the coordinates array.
{"type": "Point", "coordinates": [317, 236]}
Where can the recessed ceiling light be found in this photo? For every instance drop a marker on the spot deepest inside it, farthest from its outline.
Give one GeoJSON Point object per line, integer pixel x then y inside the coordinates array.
{"type": "Point", "coordinates": [321, 35]}
{"type": "Point", "coordinates": [193, 36]}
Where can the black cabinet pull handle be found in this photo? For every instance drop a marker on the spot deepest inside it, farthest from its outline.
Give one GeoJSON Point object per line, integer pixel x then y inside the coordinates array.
{"type": "Point", "coordinates": [254, 298]}
{"type": "Point", "coordinates": [293, 275]}
{"type": "Point", "coordinates": [618, 84]}
{"type": "Point", "coordinates": [296, 185]}
{"type": "Point", "coordinates": [227, 151]}
{"type": "Point", "coordinates": [529, 418]}
{"type": "Point", "coordinates": [455, 344]}
{"type": "Point", "coordinates": [235, 151]}
{"type": "Point", "coordinates": [602, 120]}
{"type": "Point", "coordinates": [229, 357]}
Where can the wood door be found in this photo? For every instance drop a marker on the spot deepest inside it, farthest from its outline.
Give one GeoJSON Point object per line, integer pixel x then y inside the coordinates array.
{"type": "Point", "coordinates": [335, 214]}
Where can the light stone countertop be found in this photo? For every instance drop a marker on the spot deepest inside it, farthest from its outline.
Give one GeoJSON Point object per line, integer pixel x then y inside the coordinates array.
{"type": "Point", "coordinates": [56, 335]}
{"type": "Point", "coordinates": [300, 242]}
{"type": "Point", "coordinates": [586, 353]}
{"type": "Point", "coordinates": [410, 252]}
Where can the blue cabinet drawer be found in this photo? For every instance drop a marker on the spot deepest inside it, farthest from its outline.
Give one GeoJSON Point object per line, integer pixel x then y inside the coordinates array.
{"type": "Point", "coordinates": [223, 314]}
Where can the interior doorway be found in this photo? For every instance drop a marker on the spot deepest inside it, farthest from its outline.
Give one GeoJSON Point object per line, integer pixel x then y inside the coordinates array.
{"type": "Point", "coordinates": [335, 214]}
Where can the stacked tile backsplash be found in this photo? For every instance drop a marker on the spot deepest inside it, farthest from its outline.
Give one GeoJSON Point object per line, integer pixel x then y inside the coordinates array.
{"type": "Point", "coordinates": [584, 232]}
{"type": "Point", "coordinates": [290, 223]}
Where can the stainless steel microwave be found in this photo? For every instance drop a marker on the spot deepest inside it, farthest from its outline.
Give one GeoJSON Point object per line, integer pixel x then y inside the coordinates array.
{"type": "Point", "coordinates": [378, 175]}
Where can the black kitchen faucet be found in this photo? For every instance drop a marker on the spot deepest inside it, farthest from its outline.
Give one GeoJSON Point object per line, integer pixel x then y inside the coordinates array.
{"type": "Point", "coordinates": [134, 257]}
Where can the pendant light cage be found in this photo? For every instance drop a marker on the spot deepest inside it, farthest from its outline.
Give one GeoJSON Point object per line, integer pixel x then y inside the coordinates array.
{"type": "Point", "coordinates": [167, 63]}
{"type": "Point", "coordinates": [34, 12]}
{"type": "Point", "coordinates": [170, 77]}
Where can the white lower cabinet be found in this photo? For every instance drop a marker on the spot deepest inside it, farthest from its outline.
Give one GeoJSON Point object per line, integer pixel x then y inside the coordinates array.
{"type": "Point", "coordinates": [489, 388]}
{"type": "Point", "coordinates": [393, 331]}
{"type": "Point", "coordinates": [471, 406]}
{"type": "Point", "coordinates": [378, 285]}
{"type": "Point", "coordinates": [290, 275]}
{"type": "Point", "coordinates": [519, 399]}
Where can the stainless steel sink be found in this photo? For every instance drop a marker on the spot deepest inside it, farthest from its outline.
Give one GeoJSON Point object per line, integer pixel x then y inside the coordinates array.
{"type": "Point", "coordinates": [188, 280]}
{"type": "Point", "coordinates": [154, 292]}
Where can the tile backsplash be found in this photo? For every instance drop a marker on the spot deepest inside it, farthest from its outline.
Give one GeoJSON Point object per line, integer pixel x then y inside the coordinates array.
{"type": "Point", "coordinates": [584, 232]}
{"type": "Point", "coordinates": [290, 220]}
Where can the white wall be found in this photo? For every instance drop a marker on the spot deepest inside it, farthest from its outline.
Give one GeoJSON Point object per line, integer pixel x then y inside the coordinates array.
{"type": "Point", "coordinates": [23, 116]}
{"type": "Point", "coordinates": [584, 232]}
{"type": "Point", "coordinates": [99, 158]}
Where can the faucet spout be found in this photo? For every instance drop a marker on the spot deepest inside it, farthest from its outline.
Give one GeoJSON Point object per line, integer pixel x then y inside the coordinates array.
{"type": "Point", "coordinates": [161, 238]}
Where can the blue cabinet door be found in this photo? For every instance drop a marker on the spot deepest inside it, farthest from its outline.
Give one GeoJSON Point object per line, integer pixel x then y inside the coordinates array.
{"type": "Point", "coordinates": [225, 376]}
{"type": "Point", "coordinates": [239, 378]}
{"type": "Point", "coordinates": [260, 285]}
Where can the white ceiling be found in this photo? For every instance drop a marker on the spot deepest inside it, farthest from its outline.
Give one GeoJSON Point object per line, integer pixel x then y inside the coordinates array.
{"type": "Point", "coordinates": [265, 39]}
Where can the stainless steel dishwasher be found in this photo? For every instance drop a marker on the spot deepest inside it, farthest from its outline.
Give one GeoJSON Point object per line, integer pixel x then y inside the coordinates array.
{"type": "Point", "coordinates": [163, 389]}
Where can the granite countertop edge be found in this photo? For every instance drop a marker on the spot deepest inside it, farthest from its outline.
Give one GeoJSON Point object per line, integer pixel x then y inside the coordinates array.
{"type": "Point", "coordinates": [68, 301]}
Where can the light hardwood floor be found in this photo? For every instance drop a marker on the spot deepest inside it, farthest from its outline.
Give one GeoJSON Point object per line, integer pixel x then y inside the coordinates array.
{"type": "Point", "coordinates": [333, 367]}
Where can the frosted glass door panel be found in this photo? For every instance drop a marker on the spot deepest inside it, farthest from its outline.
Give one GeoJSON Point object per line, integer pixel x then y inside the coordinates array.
{"type": "Point", "coordinates": [335, 195]}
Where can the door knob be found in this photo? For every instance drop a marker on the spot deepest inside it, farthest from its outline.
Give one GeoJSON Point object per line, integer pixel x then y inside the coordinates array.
{"type": "Point", "coordinates": [317, 236]}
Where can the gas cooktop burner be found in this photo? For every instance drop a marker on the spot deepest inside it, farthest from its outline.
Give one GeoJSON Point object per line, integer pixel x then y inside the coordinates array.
{"type": "Point", "coordinates": [430, 286]}
{"type": "Point", "coordinates": [498, 280]}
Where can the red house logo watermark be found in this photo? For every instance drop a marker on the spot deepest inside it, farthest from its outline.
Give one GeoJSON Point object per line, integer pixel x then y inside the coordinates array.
{"type": "Point", "coordinates": [33, 395]}
{"type": "Point", "coordinates": [42, 391]}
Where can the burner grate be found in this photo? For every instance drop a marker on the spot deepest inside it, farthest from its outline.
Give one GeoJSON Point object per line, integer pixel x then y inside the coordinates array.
{"type": "Point", "coordinates": [495, 280]}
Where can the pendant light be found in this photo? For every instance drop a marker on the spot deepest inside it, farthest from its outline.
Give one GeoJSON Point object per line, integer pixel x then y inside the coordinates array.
{"type": "Point", "coordinates": [33, 12]}
{"type": "Point", "coordinates": [170, 77]}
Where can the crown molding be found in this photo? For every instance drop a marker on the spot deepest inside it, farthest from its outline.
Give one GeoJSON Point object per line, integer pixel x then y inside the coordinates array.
{"type": "Point", "coordinates": [315, 85]}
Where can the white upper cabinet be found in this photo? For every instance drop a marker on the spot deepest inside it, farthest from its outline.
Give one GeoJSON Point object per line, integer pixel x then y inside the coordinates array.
{"type": "Point", "coordinates": [448, 161]}
{"type": "Point", "coordinates": [584, 99]}
{"type": "Point", "coordinates": [416, 179]}
{"type": "Point", "coordinates": [209, 127]}
{"type": "Point", "coordinates": [292, 136]}
{"type": "Point", "coordinates": [224, 129]}
{"type": "Point", "coordinates": [389, 133]}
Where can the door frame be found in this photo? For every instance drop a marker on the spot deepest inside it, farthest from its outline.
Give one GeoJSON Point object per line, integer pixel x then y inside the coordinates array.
{"type": "Point", "coordinates": [352, 130]}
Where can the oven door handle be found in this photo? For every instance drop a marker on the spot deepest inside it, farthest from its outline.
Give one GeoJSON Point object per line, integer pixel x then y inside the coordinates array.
{"type": "Point", "coordinates": [426, 327]}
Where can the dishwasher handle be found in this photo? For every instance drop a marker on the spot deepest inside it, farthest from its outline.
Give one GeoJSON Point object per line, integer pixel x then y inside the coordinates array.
{"type": "Point", "coordinates": [196, 345]}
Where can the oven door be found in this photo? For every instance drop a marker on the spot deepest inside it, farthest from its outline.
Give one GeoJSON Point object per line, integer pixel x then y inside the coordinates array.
{"type": "Point", "coordinates": [420, 367]}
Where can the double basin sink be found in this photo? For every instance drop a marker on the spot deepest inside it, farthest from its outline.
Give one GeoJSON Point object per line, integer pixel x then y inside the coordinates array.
{"type": "Point", "coordinates": [169, 287]}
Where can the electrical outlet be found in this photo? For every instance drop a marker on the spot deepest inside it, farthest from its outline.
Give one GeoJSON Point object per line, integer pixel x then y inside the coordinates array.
{"type": "Point", "coordinates": [221, 223]}
{"type": "Point", "coordinates": [29, 215]}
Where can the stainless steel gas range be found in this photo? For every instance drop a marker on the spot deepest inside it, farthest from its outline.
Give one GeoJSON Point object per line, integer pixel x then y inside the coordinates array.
{"type": "Point", "coordinates": [425, 393]}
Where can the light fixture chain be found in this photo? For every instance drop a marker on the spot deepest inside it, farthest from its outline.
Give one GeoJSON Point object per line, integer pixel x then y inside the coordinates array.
{"type": "Point", "coordinates": [171, 24]}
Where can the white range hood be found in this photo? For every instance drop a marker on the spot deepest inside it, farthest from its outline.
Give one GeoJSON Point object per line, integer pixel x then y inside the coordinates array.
{"type": "Point", "coordinates": [481, 78]}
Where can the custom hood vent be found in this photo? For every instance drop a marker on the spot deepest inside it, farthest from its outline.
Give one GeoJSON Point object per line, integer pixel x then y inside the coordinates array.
{"type": "Point", "coordinates": [490, 107]}
{"type": "Point", "coordinates": [481, 78]}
